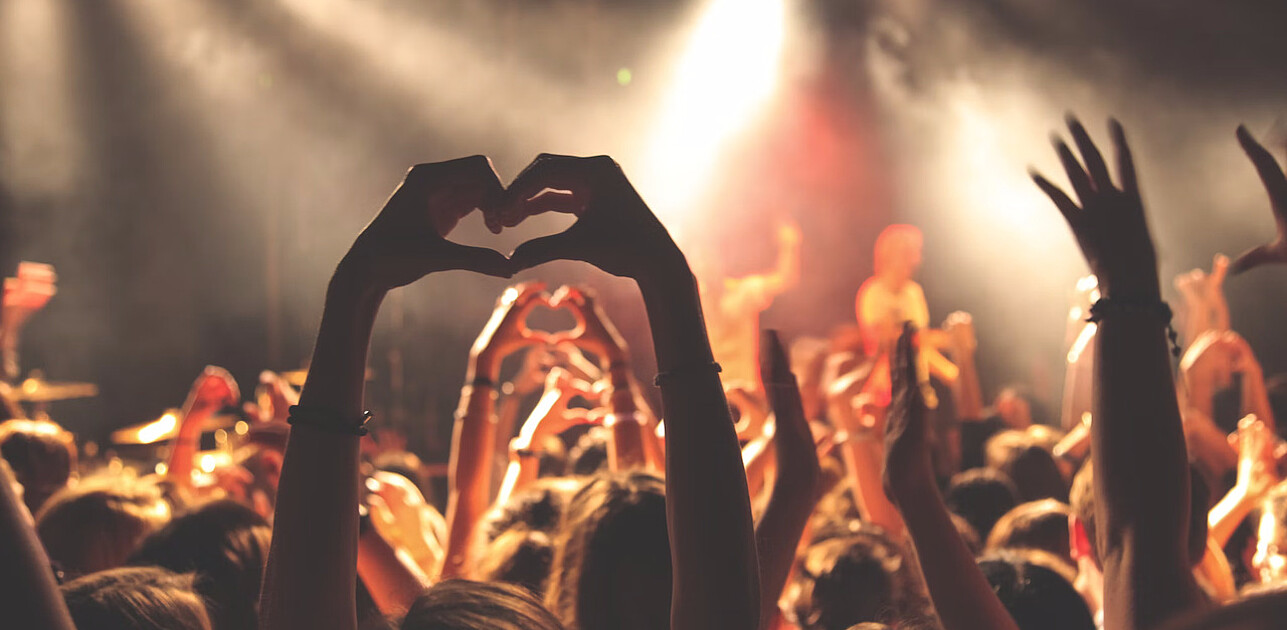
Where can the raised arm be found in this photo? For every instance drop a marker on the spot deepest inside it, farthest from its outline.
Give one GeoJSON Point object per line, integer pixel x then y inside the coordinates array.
{"type": "Point", "coordinates": [24, 294]}
{"type": "Point", "coordinates": [1275, 251]}
{"type": "Point", "coordinates": [795, 492]}
{"type": "Point", "coordinates": [960, 592]}
{"type": "Point", "coordinates": [1137, 441]}
{"type": "Point", "coordinates": [310, 579]}
{"type": "Point", "coordinates": [30, 597]}
{"type": "Point", "coordinates": [708, 511]}
{"type": "Point", "coordinates": [550, 418]}
{"type": "Point", "coordinates": [470, 467]}
{"type": "Point", "coordinates": [212, 391]}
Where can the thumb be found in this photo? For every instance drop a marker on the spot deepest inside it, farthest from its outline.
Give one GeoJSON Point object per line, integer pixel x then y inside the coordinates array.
{"type": "Point", "coordinates": [479, 259]}
{"type": "Point", "coordinates": [539, 251]}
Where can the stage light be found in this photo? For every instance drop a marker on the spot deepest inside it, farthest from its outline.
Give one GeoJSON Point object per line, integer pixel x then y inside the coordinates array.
{"type": "Point", "coordinates": [723, 78]}
{"type": "Point", "coordinates": [158, 429]}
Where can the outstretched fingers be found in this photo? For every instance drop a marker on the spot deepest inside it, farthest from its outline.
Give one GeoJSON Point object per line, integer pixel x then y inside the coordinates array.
{"type": "Point", "coordinates": [1095, 165]}
{"type": "Point", "coordinates": [1125, 163]}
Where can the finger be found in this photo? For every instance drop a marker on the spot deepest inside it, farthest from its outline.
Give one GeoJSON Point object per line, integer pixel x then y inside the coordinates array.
{"type": "Point", "coordinates": [1268, 169]}
{"type": "Point", "coordinates": [1263, 255]}
{"type": "Point", "coordinates": [1077, 175]}
{"type": "Point", "coordinates": [547, 171]}
{"type": "Point", "coordinates": [548, 200]}
{"type": "Point", "coordinates": [1125, 163]}
{"type": "Point", "coordinates": [539, 251]}
{"type": "Point", "coordinates": [775, 368]}
{"type": "Point", "coordinates": [480, 259]}
{"type": "Point", "coordinates": [1090, 153]}
{"type": "Point", "coordinates": [1066, 206]}
{"type": "Point", "coordinates": [904, 369]}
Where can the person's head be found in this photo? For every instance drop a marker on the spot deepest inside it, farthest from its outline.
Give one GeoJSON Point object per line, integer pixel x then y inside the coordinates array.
{"type": "Point", "coordinates": [225, 544]}
{"type": "Point", "coordinates": [135, 598]}
{"type": "Point", "coordinates": [99, 523]}
{"type": "Point", "coordinates": [612, 556]}
{"type": "Point", "coordinates": [538, 507]}
{"type": "Point", "coordinates": [1082, 527]}
{"type": "Point", "coordinates": [1036, 590]}
{"type": "Point", "coordinates": [42, 456]}
{"type": "Point", "coordinates": [590, 453]}
{"type": "Point", "coordinates": [981, 496]}
{"type": "Point", "coordinates": [852, 579]}
{"type": "Point", "coordinates": [1034, 525]}
{"type": "Point", "coordinates": [1270, 559]}
{"type": "Point", "coordinates": [898, 252]}
{"type": "Point", "coordinates": [519, 557]}
{"type": "Point", "coordinates": [1013, 408]}
{"type": "Point", "coordinates": [466, 605]}
{"type": "Point", "coordinates": [1033, 469]}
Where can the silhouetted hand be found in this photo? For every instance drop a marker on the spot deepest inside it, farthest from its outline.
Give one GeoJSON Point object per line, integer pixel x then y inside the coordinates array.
{"type": "Point", "coordinates": [1275, 181]}
{"type": "Point", "coordinates": [615, 231]}
{"type": "Point", "coordinates": [1109, 224]}
{"type": "Point", "coordinates": [407, 239]}
{"type": "Point", "coordinates": [907, 450]}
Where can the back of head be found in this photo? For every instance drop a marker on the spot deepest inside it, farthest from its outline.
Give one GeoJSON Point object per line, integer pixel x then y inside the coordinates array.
{"type": "Point", "coordinates": [1038, 595]}
{"type": "Point", "coordinates": [42, 456]}
{"type": "Point", "coordinates": [590, 453]}
{"type": "Point", "coordinates": [537, 507]}
{"type": "Point", "coordinates": [225, 544]}
{"type": "Point", "coordinates": [612, 556]}
{"type": "Point", "coordinates": [981, 496]}
{"type": "Point", "coordinates": [1033, 469]}
{"type": "Point", "coordinates": [1034, 525]}
{"type": "Point", "coordinates": [519, 557]}
{"type": "Point", "coordinates": [98, 524]}
{"type": "Point", "coordinates": [135, 598]}
{"type": "Point", "coordinates": [859, 578]}
{"type": "Point", "coordinates": [466, 605]}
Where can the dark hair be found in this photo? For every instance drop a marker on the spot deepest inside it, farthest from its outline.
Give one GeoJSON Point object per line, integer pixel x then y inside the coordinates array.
{"type": "Point", "coordinates": [466, 605]}
{"type": "Point", "coordinates": [519, 557]}
{"type": "Point", "coordinates": [1034, 525]}
{"type": "Point", "coordinates": [981, 496]}
{"type": "Point", "coordinates": [226, 545]}
{"type": "Point", "coordinates": [861, 577]}
{"type": "Point", "coordinates": [538, 507]}
{"type": "Point", "coordinates": [99, 523]}
{"type": "Point", "coordinates": [1035, 593]}
{"type": "Point", "coordinates": [406, 464]}
{"type": "Point", "coordinates": [590, 453]}
{"type": "Point", "coordinates": [135, 598]}
{"type": "Point", "coordinates": [1030, 466]}
{"type": "Point", "coordinates": [612, 556]}
{"type": "Point", "coordinates": [42, 456]}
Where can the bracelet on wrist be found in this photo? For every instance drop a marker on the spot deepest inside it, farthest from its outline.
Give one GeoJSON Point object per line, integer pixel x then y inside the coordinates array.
{"type": "Point", "coordinates": [1156, 309]}
{"type": "Point", "coordinates": [328, 420]}
{"type": "Point", "coordinates": [697, 369]}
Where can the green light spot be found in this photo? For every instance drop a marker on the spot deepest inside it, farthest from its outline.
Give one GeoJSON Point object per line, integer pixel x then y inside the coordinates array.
{"type": "Point", "coordinates": [624, 77]}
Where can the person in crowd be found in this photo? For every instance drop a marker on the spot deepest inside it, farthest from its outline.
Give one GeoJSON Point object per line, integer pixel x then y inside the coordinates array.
{"type": "Point", "coordinates": [136, 598]}
{"type": "Point", "coordinates": [42, 456]}
{"type": "Point", "coordinates": [99, 523]}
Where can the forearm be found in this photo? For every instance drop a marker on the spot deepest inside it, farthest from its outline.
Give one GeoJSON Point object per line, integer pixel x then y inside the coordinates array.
{"type": "Point", "coordinates": [30, 598]}
{"type": "Point", "coordinates": [1255, 398]}
{"type": "Point", "coordinates": [469, 470]}
{"type": "Point", "coordinates": [1142, 503]}
{"type": "Point", "coordinates": [708, 510]}
{"type": "Point", "coordinates": [184, 450]}
{"type": "Point", "coordinates": [780, 528]}
{"type": "Point", "coordinates": [311, 573]}
{"type": "Point", "coordinates": [626, 451]}
{"type": "Point", "coordinates": [394, 583]}
{"type": "Point", "coordinates": [968, 395]}
{"type": "Point", "coordinates": [1224, 518]}
{"type": "Point", "coordinates": [863, 458]}
{"type": "Point", "coordinates": [960, 592]}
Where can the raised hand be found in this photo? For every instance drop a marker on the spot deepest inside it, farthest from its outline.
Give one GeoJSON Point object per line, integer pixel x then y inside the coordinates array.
{"type": "Point", "coordinates": [907, 449]}
{"type": "Point", "coordinates": [213, 390]}
{"type": "Point", "coordinates": [615, 231]}
{"type": "Point", "coordinates": [407, 239]}
{"type": "Point", "coordinates": [1109, 223]}
{"type": "Point", "coordinates": [507, 331]}
{"type": "Point", "coordinates": [594, 331]}
{"type": "Point", "coordinates": [1275, 182]}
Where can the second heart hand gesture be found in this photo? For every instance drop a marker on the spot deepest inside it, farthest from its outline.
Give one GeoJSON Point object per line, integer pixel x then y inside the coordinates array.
{"type": "Point", "coordinates": [615, 231]}
{"type": "Point", "coordinates": [594, 331]}
{"type": "Point", "coordinates": [407, 239]}
{"type": "Point", "coordinates": [507, 331]}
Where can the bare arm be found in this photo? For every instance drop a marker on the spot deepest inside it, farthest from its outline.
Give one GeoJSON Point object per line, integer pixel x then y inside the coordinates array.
{"type": "Point", "coordinates": [30, 597]}
{"type": "Point", "coordinates": [960, 592]}
{"type": "Point", "coordinates": [311, 575]}
{"type": "Point", "coordinates": [795, 492]}
{"type": "Point", "coordinates": [393, 580]}
{"type": "Point", "coordinates": [214, 389]}
{"type": "Point", "coordinates": [1141, 503]}
{"type": "Point", "coordinates": [708, 511]}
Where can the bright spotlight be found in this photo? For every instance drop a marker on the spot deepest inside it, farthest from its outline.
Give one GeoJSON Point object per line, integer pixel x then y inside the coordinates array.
{"type": "Point", "coordinates": [724, 76]}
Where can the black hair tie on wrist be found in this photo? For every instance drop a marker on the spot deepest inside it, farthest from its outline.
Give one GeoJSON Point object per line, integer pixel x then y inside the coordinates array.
{"type": "Point", "coordinates": [1109, 307]}
{"type": "Point", "coordinates": [329, 420]}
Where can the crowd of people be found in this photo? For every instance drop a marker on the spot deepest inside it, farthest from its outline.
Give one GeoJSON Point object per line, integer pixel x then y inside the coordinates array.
{"type": "Point", "coordinates": [855, 482]}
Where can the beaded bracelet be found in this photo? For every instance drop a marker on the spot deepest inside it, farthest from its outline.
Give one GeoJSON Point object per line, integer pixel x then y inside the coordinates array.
{"type": "Point", "coordinates": [1105, 307]}
{"type": "Point", "coordinates": [695, 369]}
{"type": "Point", "coordinates": [328, 420]}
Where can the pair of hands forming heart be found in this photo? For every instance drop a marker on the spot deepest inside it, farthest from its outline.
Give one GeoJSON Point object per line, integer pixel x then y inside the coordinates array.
{"type": "Point", "coordinates": [615, 230]}
{"type": "Point", "coordinates": [507, 330]}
